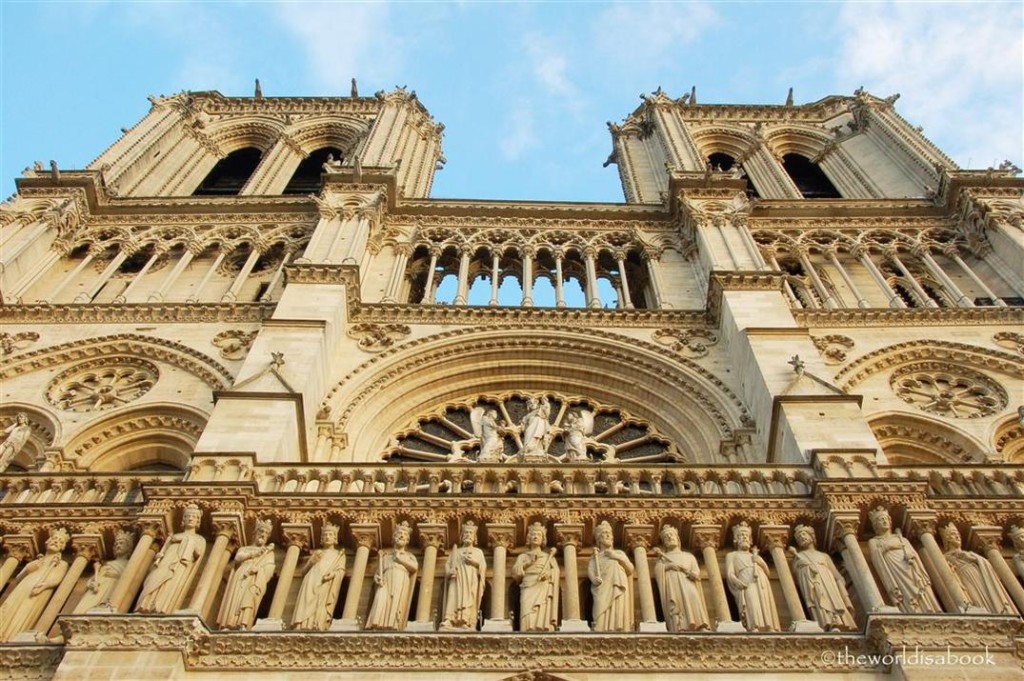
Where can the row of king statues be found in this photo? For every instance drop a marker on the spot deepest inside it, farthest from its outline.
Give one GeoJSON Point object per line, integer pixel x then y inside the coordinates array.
{"type": "Point", "coordinates": [611, 573]}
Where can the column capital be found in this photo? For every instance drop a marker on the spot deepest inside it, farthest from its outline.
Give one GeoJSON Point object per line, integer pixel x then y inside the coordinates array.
{"type": "Point", "coordinates": [638, 536]}
{"type": "Point", "coordinates": [569, 534]}
{"type": "Point", "coordinates": [840, 524]}
{"type": "Point", "coordinates": [772, 536]}
{"type": "Point", "coordinates": [501, 534]}
{"type": "Point", "coordinates": [433, 534]}
{"type": "Point", "coordinates": [985, 537]}
{"type": "Point", "coordinates": [918, 524]}
{"type": "Point", "coordinates": [228, 524]}
{"type": "Point", "coordinates": [367, 535]}
{"type": "Point", "coordinates": [706, 536]}
{"type": "Point", "coordinates": [297, 534]}
{"type": "Point", "coordinates": [156, 524]}
{"type": "Point", "coordinates": [88, 546]}
{"type": "Point", "coordinates": [24, 546]}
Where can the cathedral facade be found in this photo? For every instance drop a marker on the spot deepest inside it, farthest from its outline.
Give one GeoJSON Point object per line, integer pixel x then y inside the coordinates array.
{"type": "Point", "coordinates": [270, 408]}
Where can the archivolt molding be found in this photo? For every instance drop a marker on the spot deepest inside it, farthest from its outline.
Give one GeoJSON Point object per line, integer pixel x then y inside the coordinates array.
{"type": "Point", "coordinates": [898, 434]}
{"type": "Point", "coordinates": [126, 345]}
{"type": "Point", "coordinates": [174, 427]}
{"type": "Point", "coordinates": [710, 400]}
{"type": "Point", "coordinates": [153, 313]}
{"type": "Point", "coordinates": [1008, 438]}
{"type": "Point", "coordinates": [928, 351]}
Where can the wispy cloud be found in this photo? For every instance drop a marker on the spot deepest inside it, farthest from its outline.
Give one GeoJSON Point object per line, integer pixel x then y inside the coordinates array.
{"type": "Point", "coordinates": [519, 132]}
{"type": "Point", "coordinates": [638, 35]}
{"type": "Point", "coordinates": [549, 65]}
{"type": "Point", "coordinates": [949, 62]}
{"type": "Point", "coordinates": [343, 41]}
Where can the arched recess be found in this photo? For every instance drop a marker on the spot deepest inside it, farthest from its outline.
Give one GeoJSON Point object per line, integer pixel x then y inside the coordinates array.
{"type": "Point", "coordinates": [685, 402]}
{"type": "Point", "coordinates": [156, 436]}
{"type": "Point", "coordinates": [1008, 439]}
{"type": "Point", "coordinates": [207, 369]}
{"type": "Point", "coordinates": [910, 439]}
{"type": "Point", "coordinates": [44, 431]}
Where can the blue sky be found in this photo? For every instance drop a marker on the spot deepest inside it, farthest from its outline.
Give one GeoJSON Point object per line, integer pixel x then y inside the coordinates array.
{"type": "Point", "coordinates": [524, 89]}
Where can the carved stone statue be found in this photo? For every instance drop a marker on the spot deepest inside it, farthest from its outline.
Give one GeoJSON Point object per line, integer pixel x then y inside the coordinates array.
{"type": "Point", "coordinates": [254, 566]}
{"type": "Point", "coordinates": [395, 578]}
{"type": "Point", "coordinates": [899, 567]}
{"type": "Point", "coordinates": [822, 586]}
{"type": "Point", "coordinates": [106, 575]}
{"type": "Point", "coordinates": [1017, 537]}
{"type": "Point", "coordinates": [536, 572]}
{"type": "Point", "coordinates": [611, 583]}
{"type": "Point", "coordinates": [976, 575]}
{"type": "Point", "coordinates": [578, 425]}
{"type": "Point", "coordinates": [17, 435]}
{"type": "Point", "coordinates": [314, 607]}
{"type": "Point", "coordinates": [536, 429]}
{"type": "Point", "coordinates": [36, 583]}
{"type": "Point", "coordinates": [678, 576]}
{"type": "Point", "coordinates": [464, 573]}
{"type": "Point", "coordinates": [487, 427]}
{"type": "Point", "coordinates": [746, 573]}
{"type": "Point", "coordinates": [175, 567]}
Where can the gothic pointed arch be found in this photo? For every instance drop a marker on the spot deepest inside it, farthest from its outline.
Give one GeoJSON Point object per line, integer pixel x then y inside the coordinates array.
{"type": "Point", "coordinates": [1008, 438]}
{"type": "Point", "coordinates": [685, 403]}
{"type": "Point", "coordinates": [153, 437]}
{"type": "Point", "coordinates": [923, 440]}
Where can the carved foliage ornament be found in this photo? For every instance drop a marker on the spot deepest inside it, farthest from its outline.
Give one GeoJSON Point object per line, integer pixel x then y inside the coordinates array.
{"type": "Point", "coordinates": [11, 342]}
{"type": "Point", "coordinates": [692, 343]}
{"type": "Point", "coordinates": [377, 337]}
{"type": "Point", "coordinates": [947, 390]}
{"type": "Point", "coordinates": [102, 384]}
{"type": "Point", "coordinates": [1009, 339]}
{"type": "Point", "coordinates": [833, 347]}
{"type": "Point", "coordinates": [234, 343]}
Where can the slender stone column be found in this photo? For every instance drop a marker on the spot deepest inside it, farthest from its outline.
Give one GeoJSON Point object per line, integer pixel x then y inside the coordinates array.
{"type": "Point", "coordinates": [946, 583]}
{"type": "Point", "coordinates": [495, 275]}
{"type": "Point", "coordinates": [707, 538]}
{"type": "Point", "coordinates": [926, 300]}
{"type": "Point", "coordinates": [864, 258]}
{"type": "Point", "coordinates": [952, 254]}
{"type": "Point", "coordinates": [347, 215]}
{"type": "Point", "coordinates": [278, 273]}
{"type": "Point", "coordinates": [433, 536]}
{"type": "Point", "coordinates": [593, 293]}
{"type": "Point", "coordinates": [20, 548]}
{"type": "Point", "coordinates": [87, 548]}
{"type": "Point", "coordinates": [428, 289]}
{"type": "Point", "coordinates": [812, 272]}
{"type": "Point", "coordinates": [298, 537]}
{"type": "Point", "coordinates": [559, 283]}
{"type": "Point", "coordinates": [463, 292]}
{"type": "Point", "coordinates": [42, 271]}
{"type": "Point", "coordinates": [198, 290]}
{"type": "Point", "coordinates": [137, 278]}
{"type": "Point", "coordinates": [627, 300]}
{"type": "Point", "coordinates": [940, 274]}
{"type": "Point", "coordinates": [70, 276]}
{"type": "Point", "coordinates": [833, 257]}
{"type": "Point", "coordinates": [638, 538]}
{"type": "Point", "coordinates": [191, 251]}
{"type": "Point", "coordinates": [227, 528]}
{"type": "Point", "coordinates": [500, 537]}
{"type": "Point", "coordinates": [87, 296]}
{"type": "Point", "coordinates": [152, 527]}
{"type": "Point", "coordinates": [526, 256]}
{"type": "Point", "coordinates": [653, 278]}
{"type": "Point", "coordinates": [402, 253]}
{"type": "Point", "coordinates": [367, 536]}
{"type": "Point", "coordinates": [773, 538]}
{"type": "Point", "coordinates": [358, 241]}
{"type": "Point", "coordinates": [787, 287]}
{"type": "Point", "coordinates": [232, 293]}
{"type": "Point", "coordinates": [570, 538]}
{"type": "Point", "coordinates": [844, 528]}
{"type": "Point", "coordinates": [988, 539]}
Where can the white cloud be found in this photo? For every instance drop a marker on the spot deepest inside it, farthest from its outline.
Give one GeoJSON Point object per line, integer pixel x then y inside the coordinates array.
{"type": "Point", "coordinates": [518, 133]}
{"type": "Point", "coordinates": [344, 41]}
{"type": "Point", "coordinates": [549, 65]}
{"type": "Point", "coordinates": [958, 66]}
{"type": "Point", "coordinates": [641, 35]}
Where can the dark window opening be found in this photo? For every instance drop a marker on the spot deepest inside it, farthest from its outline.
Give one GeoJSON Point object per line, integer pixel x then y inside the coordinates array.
{"type": "Point", "coordinates": [1014, 301]}
{"type": "Point", "coordinates": [724, 162]}
{"type": "Point", "coordinates": [231, 173]}
{"type": "Point", "coordinates": [809, 178]}
{"type": "Point", "coordinates": [306, 179]}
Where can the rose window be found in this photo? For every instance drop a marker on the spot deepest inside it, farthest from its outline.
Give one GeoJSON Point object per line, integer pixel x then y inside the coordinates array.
{"type": "Point", "coordinates": [537, 428]}
{"type": "Point", "coordinates": [960, 394]}
{"type": "Point", "coordinates": [95, 386]}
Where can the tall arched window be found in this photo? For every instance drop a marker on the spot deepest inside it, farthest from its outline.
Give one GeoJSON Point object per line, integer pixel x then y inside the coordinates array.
{"type": "Point", "coordinates": [306, 179]}
{"type": "Point", "coordinates": [724, 162]}
{"type": "Point", "coordinates": [231, 173]}
{"type": "Point", "coordinates": [809, 178]}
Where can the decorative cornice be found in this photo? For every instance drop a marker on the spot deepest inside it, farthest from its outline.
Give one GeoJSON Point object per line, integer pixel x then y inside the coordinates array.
{"type": "Point", "coordinates": [384, 313]}
{"type": "Point", "coordinates": [959, 316]}
{"type": "Point", "coordinates": [170, 313]}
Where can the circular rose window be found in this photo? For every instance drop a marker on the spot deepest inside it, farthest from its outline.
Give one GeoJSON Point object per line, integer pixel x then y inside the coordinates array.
{"type": "Point", "coordinates": [102, 384]}
{"type": "Point", "coordinates": [957, 393]}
